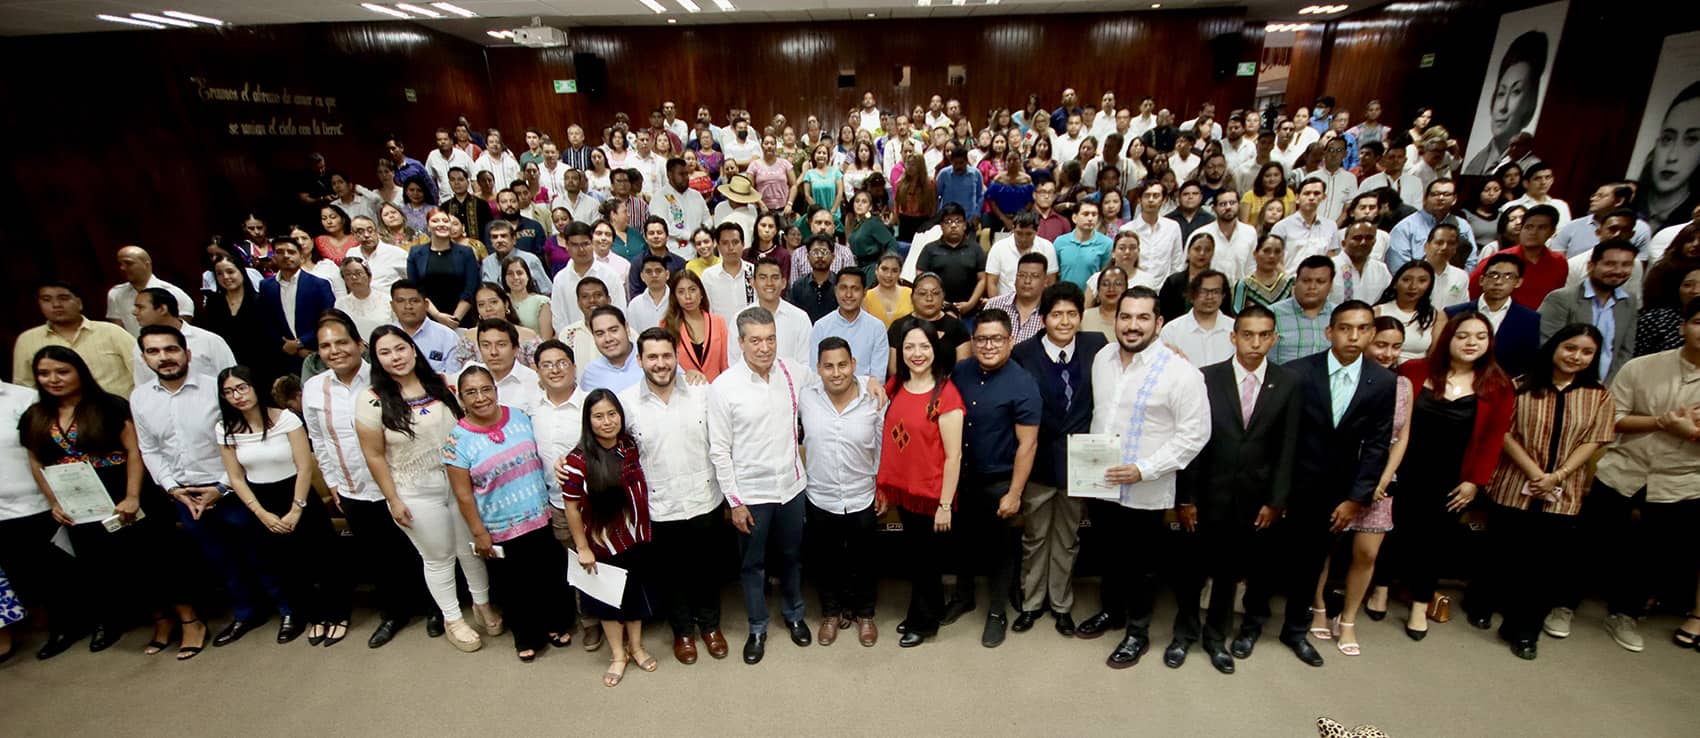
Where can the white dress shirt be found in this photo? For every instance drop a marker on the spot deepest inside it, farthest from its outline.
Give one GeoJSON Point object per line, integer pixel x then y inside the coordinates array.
{"type": "Point", "coordinates": [1003, 258]}
{"type": "Point", "coordinates": [387, 263]}
{"type": "Point", "coordinates": [644, 313]}
{"type": "Point", "coordinates": [208, 354]}
{"type": "Point", "coordinates": [1285, 157]}
{"type": "Point", "coordinates": [586, 209]}
{"type": "Point", "coordinates": [1233, 255]}
{"type": "Point", "coordinates": [438, 167]}
{"type": "Point", "coordinates": [672, 439]}
{"type": "Point", "coordinates": [504, 168]}
{"type": "Point", "coordinates": [1200, 347]}
{"type": "Point", "coordinates": [1410, 188]}
{"type": "Point", "coordinates": [1367, 284]}
{"type": "Point", "coordinates": [557, 429]}
{"type": "Point", "coordinates": [1183, 168]}
{"type": "Point", "coordinates": [843, 449]}
{"type": "Point", "coordinates": [1160, 250]}
{"type": "Point", "coordinates": [177, 432]}
{"type": "Point", "coordinates": [1528, 201]}
{"type": "Point", "coordinates": [563, 295]}
{"type": "Point", "coordinates": [551, 180]}
{"type": "Point", "coordinates": [327, 405]}
{"type": "Point", "coordinates": [1451, 287]}
{"type": "Point", "coordinates": [1238, 154]}
{"type": "Point", "coordinates": [752, 432]}
{"type": "Point", "coordinates": [1661, 241]}
{"type": "Point", "coordinates": [1161, 399]}
{"type": "Point", "coordinates": [519, 390]}
{"type": "Point", "coordinates": [792, 331]}
{"type": "Point", "coordinates": [1065, 147]}
{"type": "Point", "coordinates": [121, 302]}
{"type": "Point", "coordinates": [747, 150]}
{"type": "Point", "coordinates": [19, 496]}
{"type": "Point", "coordinates": [1303, 239]}
{"type": "Point", "coordinates": [729, 294]}
{"type": "Point", "coordinates": [1494, 317]}
{"type": "Point", "coordinates": [286, 288]}
{"type": "Point", "coordinates": [1342, 187]}
{"type": "Point", "coordinates": [1141, 124]}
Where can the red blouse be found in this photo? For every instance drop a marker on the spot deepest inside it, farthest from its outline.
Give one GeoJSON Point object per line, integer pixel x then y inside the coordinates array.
{"type": "Point", "coordinates": [1494, 411]}
{"type": "Point", "coordinates": [912, 451]}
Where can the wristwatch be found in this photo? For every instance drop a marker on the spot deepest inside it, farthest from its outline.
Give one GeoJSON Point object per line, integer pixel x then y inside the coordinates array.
{"type": "Point", "coordinates": [301, 504]}
{"type": "Point", "coordinates": [945, 506]}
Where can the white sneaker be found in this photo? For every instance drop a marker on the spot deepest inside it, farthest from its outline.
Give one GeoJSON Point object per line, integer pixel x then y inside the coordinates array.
{"type": "Point", "coordinates": [1557, 623]}
{"type": "Point", "coordinates": [1623, 630]}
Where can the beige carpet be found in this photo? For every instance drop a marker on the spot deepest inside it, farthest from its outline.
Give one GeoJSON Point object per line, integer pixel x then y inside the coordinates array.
{"type": "Point", "coordinates": [1459, 682]}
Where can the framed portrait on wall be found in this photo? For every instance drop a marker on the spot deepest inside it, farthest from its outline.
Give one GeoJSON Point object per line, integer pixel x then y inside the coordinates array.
{"type": "Point", "coordinates": [1666, 159]}
{"type": "Point", "coordinates": [1515, 84]}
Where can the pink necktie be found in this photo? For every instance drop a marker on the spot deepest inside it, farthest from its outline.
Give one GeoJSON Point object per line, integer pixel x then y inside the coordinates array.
{"type": "Point", "coordinates": [1248, 397]}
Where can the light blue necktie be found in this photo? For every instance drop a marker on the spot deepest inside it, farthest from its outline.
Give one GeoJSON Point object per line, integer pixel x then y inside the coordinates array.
{"type": "Point", "coordinates": [1340, 389]}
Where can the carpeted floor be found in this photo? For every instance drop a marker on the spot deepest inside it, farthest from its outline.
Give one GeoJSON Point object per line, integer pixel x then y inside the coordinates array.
{"type": "Point", "coordinates": [1459, 682]}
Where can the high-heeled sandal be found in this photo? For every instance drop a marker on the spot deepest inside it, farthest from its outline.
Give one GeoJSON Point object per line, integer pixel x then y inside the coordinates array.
{"type": "Point", "coordinates": [561, 640]}
{"type": "Point", "coordinates": [154, 648]}
{"type": "Point", "coordinates": [1685, 639]}
{"type": "Point", "coordinates": [1321, 634]}
{"type": "Point", "coordinates": [184, 652]}
{"type": "Point", "coordinates": [1351, 647]}
{"type": "Point", "coordinates": [492, 625]}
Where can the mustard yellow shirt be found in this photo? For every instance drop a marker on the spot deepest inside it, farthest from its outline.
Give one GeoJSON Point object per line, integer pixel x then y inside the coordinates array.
{"type": "Point", "coordinates": [888, 314]}
{"type": "Point", "coordinates": [105, 347]}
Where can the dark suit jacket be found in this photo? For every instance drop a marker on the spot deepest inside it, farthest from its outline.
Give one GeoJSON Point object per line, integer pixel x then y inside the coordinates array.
{"type": "Point", "coordinates": [1518, 340]}
{"type": "Point", "coordinates": [1060, 418]}
{"type": "Point", "coordinates": [313, 296]}
{"type": "Point", "coordinates": [1243, 467]}
{"type": "Point", "coordinates": [1340, 463]}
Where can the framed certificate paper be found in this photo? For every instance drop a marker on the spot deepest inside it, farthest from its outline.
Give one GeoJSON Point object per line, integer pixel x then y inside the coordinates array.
{"type": "Point", "coordinates": [1090, 456]}
{"type": "Point", "coordinates": [79, 491]}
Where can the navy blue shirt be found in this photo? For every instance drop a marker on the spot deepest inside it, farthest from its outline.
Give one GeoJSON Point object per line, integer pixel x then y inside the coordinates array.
{"type": "Point", "coordinates": [815, 299]}
{"type": "Point", "coordinates": [997, 401]}
{"type": "Point", "coordinates": [529, 235]}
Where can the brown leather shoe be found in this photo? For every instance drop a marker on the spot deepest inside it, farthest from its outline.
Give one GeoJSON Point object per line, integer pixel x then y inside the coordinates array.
{"type": "Point", "coordinates": [685, 649]}
{"type": "Point", "coordinates": [716, 642]}
{"type": "Point", "coordinates": [866, 631]}
{"type": "Point", "coordinates": [828, 631]}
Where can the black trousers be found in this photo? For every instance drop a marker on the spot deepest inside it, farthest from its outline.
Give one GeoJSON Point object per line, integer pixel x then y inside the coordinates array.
{"type": "Point", "coordinates": [924, 551]}
{"type": "Point", "coordinates": [984, 542]}
{"type": "Point", "coordinates": [42, 574]}
{"type": "Point", "coordinates": [1220, 551]}
{"type": "Point", "coordinates": [315, 585]}
{"type": "Point", "coordinates": [1642, 558]}
{"type": "Point", "coordinates": [126, 572]}
{"type": "Point", "coordinates": [841, 549]}
{"type": "Point", "coordinates": [690, 580]}
{"type": "Point", "coordinates": [1133, 541]}
{"type": "Point", "coordinates": [529, 582]}
{"type": "Point", "coordinates": [389, 557]}
{"type": "Point", "coordinates": [1290, 556]}
{"type": "Point", "coordinates": [1533, 553]}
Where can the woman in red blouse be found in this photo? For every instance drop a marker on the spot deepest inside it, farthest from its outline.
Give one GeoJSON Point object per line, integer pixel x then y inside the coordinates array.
{"type": "Point", "coordinates": [920, 459]}
{"type": "Point", "coordinates": [1458, 422]}
{"type": "Point", "coordinates": [608, 514]}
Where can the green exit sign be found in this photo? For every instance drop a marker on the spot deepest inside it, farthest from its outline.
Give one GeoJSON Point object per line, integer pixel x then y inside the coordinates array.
{"type": "Point", "coordinates": [1247, 69]}
{"type": "Point", "coordinates": [564, 86]}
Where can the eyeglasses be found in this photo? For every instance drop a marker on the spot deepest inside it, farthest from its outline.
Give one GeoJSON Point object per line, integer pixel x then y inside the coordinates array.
{"type": "Point", "coordinates": [990, 340]}
{"type": "Point", "coordinates": [236, 390]}
{"type": "Point", "coordinates": [552, 365]}
{"type": "Point", "coordinates": [1499, 276]}
{"type": "Point", "coordinates": [1211, 292]}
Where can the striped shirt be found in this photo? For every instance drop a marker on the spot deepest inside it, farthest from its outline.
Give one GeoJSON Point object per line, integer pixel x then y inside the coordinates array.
{"type": "Point", "coordinates": [1549, 427]}
{"type": "Point", "coordinates": [633, 526]}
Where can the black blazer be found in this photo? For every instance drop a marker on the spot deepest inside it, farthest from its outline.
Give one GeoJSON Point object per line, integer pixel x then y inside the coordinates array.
{"type": "Point", "coordinates": [1050, 461]}
{"type": "Point", "coordinates": [1337, 464]}
{"type": "Point", "coordinates": [1243, 468]}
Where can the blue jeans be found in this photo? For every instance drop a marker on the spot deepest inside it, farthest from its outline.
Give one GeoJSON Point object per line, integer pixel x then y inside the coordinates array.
{"type": "Point", "coordinates": [782, 524]}
{"type": "Point", "coordinates": [224, 535]}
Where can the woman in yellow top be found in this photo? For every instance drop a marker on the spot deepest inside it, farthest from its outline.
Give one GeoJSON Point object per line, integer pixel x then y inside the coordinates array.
{"type": "Point", "coordinates": [707, 255]}
{"type": "Point", "coordinates": [1271, 184]}
{"type": "Point", "coordinates": [888, 300]}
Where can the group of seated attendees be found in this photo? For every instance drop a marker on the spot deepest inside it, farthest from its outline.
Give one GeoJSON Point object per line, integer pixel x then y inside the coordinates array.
{"type": "Point", "coordinates": [588, 359]}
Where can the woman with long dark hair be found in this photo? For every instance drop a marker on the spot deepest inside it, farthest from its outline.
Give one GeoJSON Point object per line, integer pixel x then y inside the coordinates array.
{"type": "Point", "coordinates": [918, 474]}
{"type": "Point", "coordinates": [493, 302]}
{"type": "Point", "coordinates": [234, 313]}
{"type": "Point", "coordinates": [608, 512]}
{"type": "Point", "coordinates": [1459, 417]}
{"type": "Point", "coordinates": [271, 465]}
{"type": "Point", "coordinates": [403, 421]}
{"type": "Point", "coordinates": [1410, 300]}
{"type": "Point", "coordinates": [1483, 215]}
{"type": "Point", "coordinates": [1561, 416]}
{"type": "Point", "coordinates": [915, 198]}
{"type": "Point", "coordinates": [499, 484]}
{"type": "Point", "coordinates": [338, 237]}
{"type": "Point", "coordinates": [1270, 184]}
{"type": "Point", "coordinates": [1671, 283]}
{"type": "Point", "coordinates": [1510, 177]}
{"type": "Point", "coordinates": [768, 240]}
{"type": "Point", "coordinates": [74, 421]}
{"type": "Point", "coordinates": [703, 338]}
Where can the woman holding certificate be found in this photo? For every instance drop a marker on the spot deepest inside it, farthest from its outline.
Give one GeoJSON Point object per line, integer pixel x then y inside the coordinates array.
{"type": "Point", "coordinates": [271, 467]}
{"type": "Point", "coordinates": [919, 466]}
{"type": "Point", "coordinates": [75, 422]}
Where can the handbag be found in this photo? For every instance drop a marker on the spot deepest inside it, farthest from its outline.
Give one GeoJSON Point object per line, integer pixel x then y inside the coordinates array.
{"type": "Point", "coordinates": [1440, 609]}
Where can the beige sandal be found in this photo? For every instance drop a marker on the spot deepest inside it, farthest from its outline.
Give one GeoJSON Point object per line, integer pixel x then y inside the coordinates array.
{"type": "Point", "coordinates": [452, 632]}
{"type": "Point", "coordinates": [612, 678]}
{"type": "Point", "coordinates": [492, 625]}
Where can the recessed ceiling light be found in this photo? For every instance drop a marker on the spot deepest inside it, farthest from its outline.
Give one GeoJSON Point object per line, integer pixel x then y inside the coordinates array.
{"type": "Point", "coordinates": [1155, 6]}
{"type": "Point", "coordinates": [958, 2]}
{"type": "Point", "coordinates": [385, 9]}
{"type": "Point", "coordinates": [130, 21]}
{"type": "Point", "coordinates": [671, 21]}
{"type": "Point", "coordinates": [456, 9]}
{"type": "Point", "coordinates": [654, 6]}
{"type": "Point", "coordinates": [690, 6]}
{"type": "Point", "coordinates": [871, 15]}
{"type": "Point", "coordinates": [923, 3]}
{"type": "Point", "coordinates": [159, 19]}
{"type": "Point", "coordinates": [411, 8]}
{"type": "Point", "coordinates": [993, 2]}
{"type": "Point", "coordinates": [192, 17]}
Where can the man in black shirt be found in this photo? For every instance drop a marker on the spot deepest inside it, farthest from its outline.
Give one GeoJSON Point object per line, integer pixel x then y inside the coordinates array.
{"type": "Point", "coordinates": [960, 264]}
{"type": "Point", "coordinates": [814, 293]}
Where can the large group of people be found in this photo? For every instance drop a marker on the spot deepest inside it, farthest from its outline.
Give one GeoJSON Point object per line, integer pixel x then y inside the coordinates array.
{"type": "Point", "coordinates": [694, 344]}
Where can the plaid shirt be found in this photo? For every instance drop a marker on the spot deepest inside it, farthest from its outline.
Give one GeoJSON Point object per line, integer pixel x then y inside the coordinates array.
{"type": "Point", "coordinates": [1033, 326]}
{"type": "Point", "coordinates": [1298, 335]}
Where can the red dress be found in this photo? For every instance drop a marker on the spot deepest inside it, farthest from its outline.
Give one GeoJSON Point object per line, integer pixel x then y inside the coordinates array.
{"type": "Point", "coordinates": [912, 451]}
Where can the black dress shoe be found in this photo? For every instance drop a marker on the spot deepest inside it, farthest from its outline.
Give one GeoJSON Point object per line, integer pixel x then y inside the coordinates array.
{"type": "Point", "coordinates": [235, 630]}
{"type": "Point", "coordinates": [1306, 652]}
{"type": "Point", "coordinates": [1481, 622]}
{"type": "Point", "coordinates": [1175, 654]}
{"type": "Point", "coordinates": [911, 639]}
{"type": "Point", "coordinates": [1098, 625]}
{"type": "Point", "coordinates": [996, 624]}
{"type": "Point", "coordinates": [104, 637]}
{"type": "Point", "coordinates": [56, 644]}
{"type": "Point", "coordinates": [385, 633]}
{"type": "Point", "coordinates": [1244, 643]}
{"type": "Point", "coordinates": [289, 628]}
{"type": "Point", "coordinates": [1065, 625]}
{"type": "Point", "coordinates": [955, 609]}
{"type": "Point", "coordinates": [1025, 619]}
{"type": "Point", "coordinates": [434, 625]}
{"type": "Point", "coordinates": [755, 648]}
{"type": "Point", "coordinates": [1127, 653]}
{"type": "Point", "coordinates": [902, 626]}
{"type": "Point", "coordinates": [1222, 660]}
{"type": "Point", "coordinates": [799, 632]}
{"type": "Point", "coordinates": [1524, 650]}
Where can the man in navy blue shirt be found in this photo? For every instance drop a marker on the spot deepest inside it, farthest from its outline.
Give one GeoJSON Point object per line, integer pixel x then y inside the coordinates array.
{"type": "Point", "coordinates": [1000, 436]}
{"type": "Point", "coordinates": [407, 167]}
{"type": "Point", "coordinates": [961, 184]}
{"type": "Point", "coordinates": [815, 292]}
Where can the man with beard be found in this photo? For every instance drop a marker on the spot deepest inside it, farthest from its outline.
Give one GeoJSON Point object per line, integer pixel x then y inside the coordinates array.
{"type": "Point", "coordinates": [1599, 301]}
{"type": "Point", "coordinates": [529, 234]}
{"type": "Point", "coordinates": [156, 306]}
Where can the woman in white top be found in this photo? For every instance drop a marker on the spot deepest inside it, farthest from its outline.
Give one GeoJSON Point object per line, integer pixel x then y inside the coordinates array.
{"type": "Point", "coordinates": [403, 421]}
{"type": "Point", "coordinates": [313, 262]}
{"type": "Point", "coordinates": [1410, 300]}
{"type": "Point", "coordinates": [1125, 254]}
{"type": "Point", "coordinates": [599, 180]}
{"type": "Point", "coordinates": [271, 466]}
{"type": "Point", "coordinates": [368, 308]}
{"type": "Point", "coordinates": [857, 169]}
{"type": "Point", "coordinates": [387, 191]}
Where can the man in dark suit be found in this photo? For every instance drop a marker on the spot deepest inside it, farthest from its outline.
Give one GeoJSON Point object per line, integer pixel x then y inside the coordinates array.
{"type": "Point", "coordinates": [1345, 408]}
{"type": "Point", "coordinates": [1238, 485]}
{"type": "Point", "coordinates": [292, 302]}
{"type": "Point", "coordinates": [1516, 329]}
{"type": "Point", "coordinates": [1060, 362]}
